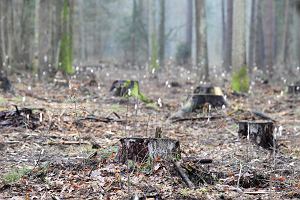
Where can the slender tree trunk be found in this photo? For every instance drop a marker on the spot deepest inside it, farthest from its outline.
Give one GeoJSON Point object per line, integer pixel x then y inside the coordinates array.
{"type": "Point", "coordinates": [228, 36]}
{"type": "Point", "coordinates": [259, 46]}
{"type": "Point", "coordinates": [285, 41]}
{"type": "Point", "coordinates": [238, 42]}
{"type": "Point", "coordinates": [35, 62]}
{"type": "Point", "coordinates": [269, 31]}
{"type": "Point", "coordinates": [162, 33]}
{"type": "Point", "coordinates": [189, 28]}
{"type": "Point", "coordinates": [251, 63]}
{"type": "Point", "coordinates": [133, 32]}
{"type": "Point", "coordinates": [201, 47]}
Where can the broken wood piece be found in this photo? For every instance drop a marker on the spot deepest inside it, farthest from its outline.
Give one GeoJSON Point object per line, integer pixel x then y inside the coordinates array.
{"type": "Point", "coordinates": [259, 132]}
{"type": "Point", "coordinates": [183, 175]}
{"type": "Point", "coordinates": [141, 149]}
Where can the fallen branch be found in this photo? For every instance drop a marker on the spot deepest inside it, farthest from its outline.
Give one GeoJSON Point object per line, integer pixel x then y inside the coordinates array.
{"type": "Point", "coordinates": [183, 175]}
{"type": "Point", "coordinates": [98, 119]}
{"type": "Point", "coordinates": [66, 143]}
{"type": "Point", "coordinates": [196, 118]}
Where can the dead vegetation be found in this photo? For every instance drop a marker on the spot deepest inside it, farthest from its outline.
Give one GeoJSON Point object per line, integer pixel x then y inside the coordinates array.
{"type": "Point", "coordinates": [64, 143]}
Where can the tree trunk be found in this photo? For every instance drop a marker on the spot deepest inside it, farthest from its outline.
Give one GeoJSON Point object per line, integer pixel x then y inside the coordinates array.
{"type": "Point", "coordinates": [162, 33]}
{"type": "Point", "coordinates": [228, 36]}
{"type": "Point", "coordinates": [259, 36]}
{"type": "Point", "coordinates": [285, 41]}
{"type": "Point", "coordinates": [238, 42]}
{"type": "Point", "coordinates": [35, 62]}
{"type": "Point", "coordinates": [251, 63]}
{"type": "Point", "coordinates": [269, 32]}
{"type": "Point", "coordinates": [66, 42]}
{"type": "Point", "coordinates": [189, 28]}
{"type": "Point", "coordinates": [201, 45]}
{"type": "Point", "coordinates": [133, 32]}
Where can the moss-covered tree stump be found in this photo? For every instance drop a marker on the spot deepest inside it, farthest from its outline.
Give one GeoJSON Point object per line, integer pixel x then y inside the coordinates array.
{"type": "Point", "coordinates": [142, 149]}
{"type": "Point", "coordinates": [128, 88]}
{"type": "Point", "coordinates": [259, 132]}
{"type": "Point", "coordinates": [120, 88]}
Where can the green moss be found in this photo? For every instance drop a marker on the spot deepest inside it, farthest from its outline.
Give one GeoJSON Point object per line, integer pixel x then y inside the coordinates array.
{"type": "Point", "coordinates": [135, 92]}
{"type": "Point", "coordinates": [240, 80]}
{"type": "Point", "coordinates": [15, 175]}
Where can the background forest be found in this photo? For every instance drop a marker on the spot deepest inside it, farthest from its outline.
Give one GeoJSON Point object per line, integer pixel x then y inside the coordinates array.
{"type": "Point", "coordinates": [43, 35]}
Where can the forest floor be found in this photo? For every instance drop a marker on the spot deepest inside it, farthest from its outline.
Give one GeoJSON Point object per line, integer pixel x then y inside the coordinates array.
{"type": "Point", "coordinates": [68, 156]}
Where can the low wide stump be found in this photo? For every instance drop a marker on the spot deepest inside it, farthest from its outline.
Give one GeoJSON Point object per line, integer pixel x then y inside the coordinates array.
{"type": "Point", "coordinates": [260, 132]}
{"type": "Point", "coordinates": [141, 149]}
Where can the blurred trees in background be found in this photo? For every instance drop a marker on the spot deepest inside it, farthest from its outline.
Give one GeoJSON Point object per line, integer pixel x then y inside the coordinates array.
{"type": "Point", "coordinates": [44, 35]}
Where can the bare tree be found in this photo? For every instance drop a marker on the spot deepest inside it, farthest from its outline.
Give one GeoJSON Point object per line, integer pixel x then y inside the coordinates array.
{"type": "Point", "coordinates": [162, 33]}
{"type": "Point", "coordinates": [228, 36]}
{"type": "Point", "coordinates": [269, 32]}
{"type": "Point", "coordinates": [238, 42]}
{"type": "Point", "coordinates": [189, 27]}
{"type": "Point", "coordinates": [252, 35]}
{"type": "Point", "coordinates": [201, 45]}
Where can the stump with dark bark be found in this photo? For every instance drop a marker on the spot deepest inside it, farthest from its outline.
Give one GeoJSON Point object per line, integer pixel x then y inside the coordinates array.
{"type": "Point", "coordinates": [120, 87]}
{"type": "Point", "coordinates": [141, 149]}
{"type": "Point", "coordinates": [294, 89]}
{"type": "Point", "coordinates": [260, 132]}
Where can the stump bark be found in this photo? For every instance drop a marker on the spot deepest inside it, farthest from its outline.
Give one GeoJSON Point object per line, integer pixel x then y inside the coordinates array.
{"type": "Point", "coordinates": [120, 87]}
{"type": "Point", "coordinates": [141, 149]}
{"type": "Point", "coordinates": [260, 132]}
{"type": "Point", "coordinates": [294, 89]}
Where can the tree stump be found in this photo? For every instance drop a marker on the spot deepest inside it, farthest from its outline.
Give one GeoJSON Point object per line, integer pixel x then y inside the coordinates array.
{"type": "Point", "coordinates": [120, 87]}
{"type": "Point", "coordinates": [294, 89]}
{"type": "Point", "coordinates": [141, 149]}
{"type": "Point", "coordinates": [260, 132]}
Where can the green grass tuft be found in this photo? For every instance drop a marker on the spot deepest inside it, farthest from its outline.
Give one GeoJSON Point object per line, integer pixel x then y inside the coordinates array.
{"type": "Point", "coordinates": [15, 175]}
{"type": "Point", "coordinates": [240, 80]}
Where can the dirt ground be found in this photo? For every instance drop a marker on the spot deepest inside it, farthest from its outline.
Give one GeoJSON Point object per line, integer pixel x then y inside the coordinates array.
{"type": "Point", "coordinates": [68, 156]}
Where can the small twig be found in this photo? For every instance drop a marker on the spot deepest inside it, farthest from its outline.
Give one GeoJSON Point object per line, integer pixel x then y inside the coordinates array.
{"type": "Point", "coordinates": [183, 175]}
{"type": "Point", "coordinates": [240, 174]}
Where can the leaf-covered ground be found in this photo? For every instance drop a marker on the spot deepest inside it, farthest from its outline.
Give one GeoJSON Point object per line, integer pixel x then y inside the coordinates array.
{"type": "Point", "coordinates": [71, 154]}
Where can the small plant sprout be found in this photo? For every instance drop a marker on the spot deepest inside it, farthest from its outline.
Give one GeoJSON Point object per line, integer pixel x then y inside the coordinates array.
{"type": "Point", "coordinates": [280, 129]}
{"type": "Point", "coordinates": [23, 99]}
{"type": "Point", "coordinates": [153, 70]}
{"type": "Point", "coordinates": [223, 107]}
{"type": "Point", "coordinates": [159, 102]}
{"type": "Point", "coordinates": [275, 133]}
{"type": "Point", "coordinates": [41, 117]}
{"type": "Point", "coordinates": [129, 92]}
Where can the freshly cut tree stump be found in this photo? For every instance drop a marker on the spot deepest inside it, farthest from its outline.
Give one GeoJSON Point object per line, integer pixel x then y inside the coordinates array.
{"type": "Point", "coordinates": [120, 87]}
{"type": "Point", "coordinates": [203, 97]}
{"type": "Point", "coordinates": [140, 149]}
{"type": "Point", "coordinates": [259, 132]}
